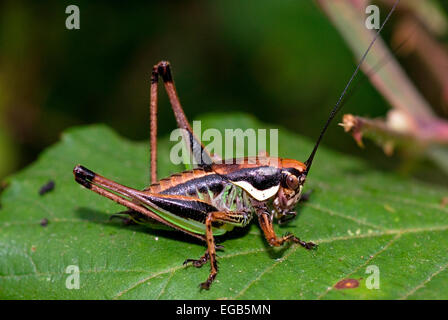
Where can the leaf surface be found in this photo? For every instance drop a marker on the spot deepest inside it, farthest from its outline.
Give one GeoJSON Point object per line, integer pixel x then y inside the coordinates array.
{"type": "Point", "coordinates": [360, 217]}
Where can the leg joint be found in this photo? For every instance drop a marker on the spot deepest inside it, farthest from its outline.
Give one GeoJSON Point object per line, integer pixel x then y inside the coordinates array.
{"type": "Point", "coordinates": [163, 69]}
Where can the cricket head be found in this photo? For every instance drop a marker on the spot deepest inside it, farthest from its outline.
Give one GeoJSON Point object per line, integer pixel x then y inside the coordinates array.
{"type": "Point", "coordinates": [293, 175]}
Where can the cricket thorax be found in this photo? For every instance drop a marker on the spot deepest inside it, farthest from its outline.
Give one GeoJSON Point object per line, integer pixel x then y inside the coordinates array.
{"type": "Point", "coordinates": [235, 199]}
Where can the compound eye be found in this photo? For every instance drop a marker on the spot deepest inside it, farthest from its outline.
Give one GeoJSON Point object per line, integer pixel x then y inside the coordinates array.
{"type": "Point", "coordinates": [292, 181]}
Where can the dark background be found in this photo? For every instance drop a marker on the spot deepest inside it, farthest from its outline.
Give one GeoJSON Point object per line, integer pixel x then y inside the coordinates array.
{"type": "Point", "coordinates": [281, 61]}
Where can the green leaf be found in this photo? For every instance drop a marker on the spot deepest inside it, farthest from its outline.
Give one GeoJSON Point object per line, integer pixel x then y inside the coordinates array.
{"type": "Point", "coordinates": [359, 216]}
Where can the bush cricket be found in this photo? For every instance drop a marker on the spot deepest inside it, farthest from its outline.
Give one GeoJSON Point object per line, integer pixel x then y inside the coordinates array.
{"type": "Point", "coordinates": [215, 197]}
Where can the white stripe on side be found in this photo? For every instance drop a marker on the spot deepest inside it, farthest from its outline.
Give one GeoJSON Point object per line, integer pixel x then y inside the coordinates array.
{"type": "Point", "coordinates": [260, 195]}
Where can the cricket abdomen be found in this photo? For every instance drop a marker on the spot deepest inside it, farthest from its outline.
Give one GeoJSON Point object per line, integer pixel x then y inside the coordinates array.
{"type": "Point", "coordinates": [212, 188]}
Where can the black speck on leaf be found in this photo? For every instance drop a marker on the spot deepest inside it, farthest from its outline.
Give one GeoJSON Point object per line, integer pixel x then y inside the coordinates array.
{"type": "Point", "coordinates": [47, 187]}
{"type": "Point", "coordinates": [44, 222]}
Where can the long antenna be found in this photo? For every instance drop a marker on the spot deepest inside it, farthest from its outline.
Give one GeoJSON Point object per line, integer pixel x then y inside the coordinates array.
{"type": "Point", "coordinates": [338, 104]}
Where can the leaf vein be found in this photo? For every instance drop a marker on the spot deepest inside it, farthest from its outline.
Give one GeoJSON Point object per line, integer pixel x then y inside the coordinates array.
{"type": "Point", "coordinates": [425, 282]}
